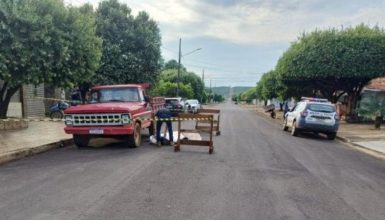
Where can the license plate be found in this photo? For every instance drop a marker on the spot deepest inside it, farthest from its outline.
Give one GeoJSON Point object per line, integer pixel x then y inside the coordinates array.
{"type": "Point", "coordinates": [96, 131]}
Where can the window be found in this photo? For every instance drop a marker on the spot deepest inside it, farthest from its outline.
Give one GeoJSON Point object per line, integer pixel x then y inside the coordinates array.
{"type": "Point", "coordinates": [116, 95]}
{"type": "Point", "coordinates": [321, 108]}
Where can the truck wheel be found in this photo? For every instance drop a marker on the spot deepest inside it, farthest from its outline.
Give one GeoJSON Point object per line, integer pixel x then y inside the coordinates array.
{"type": "Point", "coordinates": [294, 130]}
{"type": "Point", "coordinates": [284, 126]}
{"type": "Point", "coordinates": [332, 136]}
{"type": "Point", "coordinates": [81, 141]}
{"type": "Point", "coordinates": [135, 139]}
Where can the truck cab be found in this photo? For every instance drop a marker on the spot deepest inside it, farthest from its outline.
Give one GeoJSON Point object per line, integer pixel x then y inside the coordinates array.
{"type": "Point", "coordinates": [118, 111]}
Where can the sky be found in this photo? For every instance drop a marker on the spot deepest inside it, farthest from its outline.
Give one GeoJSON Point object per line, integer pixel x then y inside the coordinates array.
{"type": "Point", "coordinates": [242, 39]}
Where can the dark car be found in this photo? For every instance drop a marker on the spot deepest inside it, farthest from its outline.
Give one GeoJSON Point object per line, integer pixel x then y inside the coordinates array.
{"type": "Point", "coordinates": [175, 105]}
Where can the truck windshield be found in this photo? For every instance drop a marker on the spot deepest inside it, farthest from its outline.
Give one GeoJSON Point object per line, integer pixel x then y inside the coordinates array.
{"type": "Point", "coordinates": [115, 95]}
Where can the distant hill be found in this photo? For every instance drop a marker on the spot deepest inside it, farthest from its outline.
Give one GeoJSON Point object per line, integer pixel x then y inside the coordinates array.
{"type": "Point", "coordinates": [225, 90]}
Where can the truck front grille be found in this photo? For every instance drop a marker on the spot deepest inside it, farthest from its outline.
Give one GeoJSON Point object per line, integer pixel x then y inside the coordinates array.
{"type": "Point", "coordinates": [96, 119]}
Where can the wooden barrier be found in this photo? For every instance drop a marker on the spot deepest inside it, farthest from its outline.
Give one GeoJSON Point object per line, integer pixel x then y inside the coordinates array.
{"type": "Point", "coordinates": [206, 124]}
{"type": "Point", "coordinates": [189, 116]}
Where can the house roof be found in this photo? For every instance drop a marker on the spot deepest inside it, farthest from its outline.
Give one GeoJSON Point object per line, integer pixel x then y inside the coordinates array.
{"type": "Point", "coordinates": [376, 84]}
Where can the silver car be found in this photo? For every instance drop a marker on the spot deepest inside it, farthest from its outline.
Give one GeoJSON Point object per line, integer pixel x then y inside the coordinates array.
{"type": "Point", "coordinates": [312, 115]}
{"type": "Point", "coordinates": [192, 105]}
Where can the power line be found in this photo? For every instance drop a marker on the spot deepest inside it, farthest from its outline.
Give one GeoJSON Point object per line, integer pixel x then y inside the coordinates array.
{"type": "Point", "coordinates": [173, 51]}
{"type": "Point", "coordinates": [222, 70]}
{"type": "Point", "coordinates": [208, 64]}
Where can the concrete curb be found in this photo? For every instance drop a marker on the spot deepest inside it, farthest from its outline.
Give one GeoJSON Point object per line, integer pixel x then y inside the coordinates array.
{"type": "Point", "coordinates": [5, 158]}
{"type": "Point", "coordinates": [343, 139]}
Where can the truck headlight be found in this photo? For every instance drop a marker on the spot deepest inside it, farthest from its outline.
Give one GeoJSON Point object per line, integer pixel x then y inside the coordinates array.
{"type": "Point", "coordinates": [68, 119]}
{"type": "Point", "coordinates": [125, 119]}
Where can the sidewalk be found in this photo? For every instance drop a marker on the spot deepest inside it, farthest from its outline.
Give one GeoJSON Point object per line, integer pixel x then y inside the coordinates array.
{"type": "Point", "coordinates": [38, 137]}
{"type": "Point", "coordinates": [360, 135]}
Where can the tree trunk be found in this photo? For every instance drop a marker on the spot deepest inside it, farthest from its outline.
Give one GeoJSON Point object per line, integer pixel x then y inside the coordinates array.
{"type": "Point", "coordinates": [377, 122]}
{"type": "Point", "coordinates": [352, 101]}
{"type": "Point", "coordinates": [5, 97]}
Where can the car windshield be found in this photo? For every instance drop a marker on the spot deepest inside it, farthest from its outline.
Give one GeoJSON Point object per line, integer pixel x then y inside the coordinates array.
{"type": "Point", "coordinates": [115, 95]}
{"type": "Point", "coordinates": [193, 101]}
{"type": "Point", "coordinates": [321, 108]}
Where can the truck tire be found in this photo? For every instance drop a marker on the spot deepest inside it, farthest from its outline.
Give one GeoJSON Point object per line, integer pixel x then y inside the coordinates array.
{"type": "Point", "coordinates": [81, 141]}
{"type": "Point", "coordinates": [294, 130]}
{"type": "Point", "coordinates": [135, 139]}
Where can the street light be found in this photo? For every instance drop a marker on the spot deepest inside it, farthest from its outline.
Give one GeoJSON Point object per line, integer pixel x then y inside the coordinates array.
{"type": "Point", "coordinates": [179, 58]}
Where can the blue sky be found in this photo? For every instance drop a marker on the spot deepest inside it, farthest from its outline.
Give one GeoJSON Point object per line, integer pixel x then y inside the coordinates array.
{"type": "Point", "coordinates": [242, 39]}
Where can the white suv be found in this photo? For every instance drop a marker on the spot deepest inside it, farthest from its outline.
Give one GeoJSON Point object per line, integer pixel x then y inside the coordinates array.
{"type": "Point", "coordinates": [312, 115]}
{"type": "Point", "coordinates": [192, 105]}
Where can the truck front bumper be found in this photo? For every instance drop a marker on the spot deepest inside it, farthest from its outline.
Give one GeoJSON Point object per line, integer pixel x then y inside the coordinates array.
{"type": "Point", "coordinates": [121, 130]}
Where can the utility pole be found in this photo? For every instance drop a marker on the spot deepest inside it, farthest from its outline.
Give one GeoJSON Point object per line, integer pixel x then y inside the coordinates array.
{"type": "Point", "coordinates": [204, 86]}
{"type": "Point", "coordinates": [179, 57]}
{"type": "Point", "coordinates": [210, 87]}
{"type": "Point", "coordinates": [211, 93]}
{"type": "Point", "coordinates": [203, 76]}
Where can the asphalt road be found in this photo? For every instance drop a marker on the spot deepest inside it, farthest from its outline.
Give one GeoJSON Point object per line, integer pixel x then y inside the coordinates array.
{"type": "Point", "coordinates": [256, 172]}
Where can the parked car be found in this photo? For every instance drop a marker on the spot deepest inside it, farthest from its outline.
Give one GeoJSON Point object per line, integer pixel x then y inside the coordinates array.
{"type": "Point", "coordinates": [192, 105]}
{"type": "Point", "coordinates": [175, 105]}
{"type": "Point", "coordinates": [312, 115]}
{"type": "Point", "coordinates": [56, 111]}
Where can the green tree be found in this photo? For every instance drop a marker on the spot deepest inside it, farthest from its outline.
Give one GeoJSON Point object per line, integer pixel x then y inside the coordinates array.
{"type": "Point", "coordinates": [269, 87]}
{"type": "Point", "coordinates": [131, 45]}
{"type": "Point", "coordinates": [173, 64]}
{"type": "Point", "coordinates": [196, 83]}
{"type": "Point", "coordinates": [218, 98]}
{"type": "Point", "coordinates": [42, 41]}
{"type": "Point", "coordinates": [249, 95]}
{"type": "Point", "coordinates": [168, 89]}
{"type": "Point", "coordinates": [334, 62]}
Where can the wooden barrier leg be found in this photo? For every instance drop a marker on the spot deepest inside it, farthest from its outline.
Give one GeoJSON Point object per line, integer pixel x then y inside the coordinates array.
{"type": "Point", "coordinates": [177, 146]}
{"type": "Point", "coordinates": [218, 129]}
{"type": "Point", "coordinates": [211, 149]}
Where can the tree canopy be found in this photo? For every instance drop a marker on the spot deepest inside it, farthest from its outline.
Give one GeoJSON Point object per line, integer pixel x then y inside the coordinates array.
{"type": "Point", "coordinates": [45, 42]}
{"type": "Point", "coordinates": [186, 78]}
{"type": "Point", "coordinates": [334, 61]}
{"type": "Point", "coordinates": [131, 45]}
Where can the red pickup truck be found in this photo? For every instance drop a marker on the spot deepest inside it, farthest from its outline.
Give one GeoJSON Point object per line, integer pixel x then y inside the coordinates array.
{"type": "Point", "coordinates": [118, 111]}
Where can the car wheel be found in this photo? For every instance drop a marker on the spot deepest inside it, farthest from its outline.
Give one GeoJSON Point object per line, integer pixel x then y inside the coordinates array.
{"type": "Point", "coordinates": [56, 115]}
{"type": "Point", "coordinates": [284, 126]}
{"type": "Point", "coordinates": [81, 141]}
{"type": "Point", "coordinates": [294, 130]}
{"type": "Point", "coordinates": [135, 139]}
{"type": "Point", "coordinates": [331, 136]}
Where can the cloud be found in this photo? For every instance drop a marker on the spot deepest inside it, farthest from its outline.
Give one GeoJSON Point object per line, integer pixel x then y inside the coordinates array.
{"type": "Point", "coordinates": [261, 21]}
{"type": "Point", "coordinates": [253, 21]}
